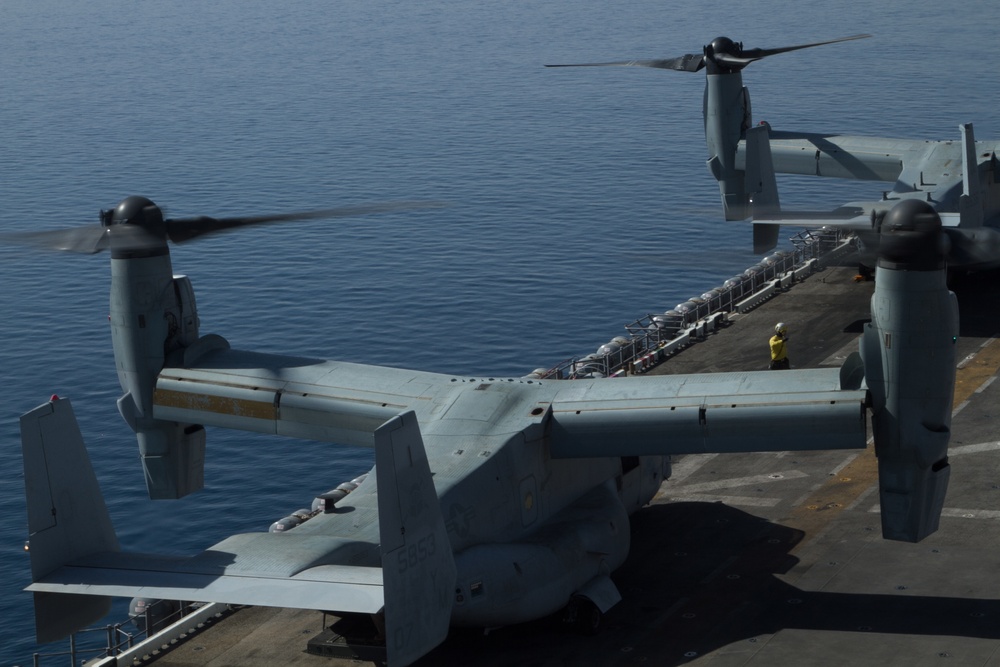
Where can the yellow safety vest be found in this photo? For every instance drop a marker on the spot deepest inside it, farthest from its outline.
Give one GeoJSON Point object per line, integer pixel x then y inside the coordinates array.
{"type": "Point", "coordinates": [778, 352]}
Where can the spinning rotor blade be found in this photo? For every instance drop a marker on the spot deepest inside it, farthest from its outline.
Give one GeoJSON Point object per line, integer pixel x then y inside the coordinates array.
{"type": "Point", "coordinates": [756, 54]}
{"type": "Point", "coordinates": [86, 239]}
{"type": "Point", "coordinates": [722, 55]}
{"type": "Point", "coordinates": [688, 63]}
{"type": "Point", "coordinates": [137, 224]}
{"type": "Point", "coordinates": [185, 229]}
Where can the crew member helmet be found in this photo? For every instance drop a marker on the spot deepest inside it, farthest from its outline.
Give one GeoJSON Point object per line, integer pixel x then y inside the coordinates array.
{"type": "Point", "coordinates": [780, 329]}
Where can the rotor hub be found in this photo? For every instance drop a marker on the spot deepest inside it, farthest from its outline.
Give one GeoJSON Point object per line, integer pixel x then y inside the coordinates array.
{"type": "Point", "coordinates": [133, 210]}
{"type": "Point", "coordinates": [135, 228]}
{"type": "Point", "coordinates": [723, 45]}
{"type": "Point", "coordinates": [912, 237]}
{"type": "Point", "coordinates": [724, 56]}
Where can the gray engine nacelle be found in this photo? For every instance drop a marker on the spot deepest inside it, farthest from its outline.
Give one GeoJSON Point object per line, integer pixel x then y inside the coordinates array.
{"type": "Point", "coordinates": [726, 109]}
{"type": "Point", "coordinates": [153, 316]}
{"type": "Point", "coordinates": [910, 357]}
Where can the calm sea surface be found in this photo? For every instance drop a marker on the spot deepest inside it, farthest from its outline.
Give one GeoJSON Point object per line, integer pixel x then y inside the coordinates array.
{"type": "Point", "coordinates": [578, 199]}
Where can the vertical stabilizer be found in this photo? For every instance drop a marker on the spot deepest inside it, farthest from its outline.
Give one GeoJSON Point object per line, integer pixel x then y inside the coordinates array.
{"type": "Point", "coordinates": [762, 187]}
{"type": "Point", "coordinates": [67, 517]}
{"type": "Point", "coordinates": [418, 569]}
{"type": "Point", "coordinates": [970, 204]}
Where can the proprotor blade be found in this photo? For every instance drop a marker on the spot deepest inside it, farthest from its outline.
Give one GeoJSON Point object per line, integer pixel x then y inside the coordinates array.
{"type": "Point", "coordinates": [185, 229]}
{"type": "Point", "coordinates": [137, 225]}
{"type": "Point", "coordinates": [685, 63]}
{"type": "Point", "coordinates": [724, 56]}
{"type": "Point", "coordinates": [87, 239]}
{"type": "Point", "coordinates": [722, 52]}
{"type": "Point", "coordinates": [763, 53]}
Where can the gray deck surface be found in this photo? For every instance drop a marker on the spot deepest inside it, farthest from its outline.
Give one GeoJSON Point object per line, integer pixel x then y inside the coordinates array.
{"type": "Point", "coordinates": [762, 559]}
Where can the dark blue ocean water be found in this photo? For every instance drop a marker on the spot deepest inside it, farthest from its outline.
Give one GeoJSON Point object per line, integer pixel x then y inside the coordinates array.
{"type": "Point", "coordinates": [578, 199]}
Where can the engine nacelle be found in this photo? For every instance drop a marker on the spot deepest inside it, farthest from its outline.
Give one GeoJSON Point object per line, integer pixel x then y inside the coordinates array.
{"type": "Point", "coordinates": [153, 315]}
{"type": "Point", "coordinates": [910, 356]}
{"type": "Point", "coordinates": [727, 113]}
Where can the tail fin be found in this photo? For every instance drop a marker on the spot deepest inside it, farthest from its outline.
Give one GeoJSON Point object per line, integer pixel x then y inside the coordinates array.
{"type": "Point", "coordinates": [970, 204]}
{"type": "Point", "coordinates": [67, 517]}
{"type": "Point", "coordinates": [762, 187]}
{"type": "Point", "coordinates": [418, 568]}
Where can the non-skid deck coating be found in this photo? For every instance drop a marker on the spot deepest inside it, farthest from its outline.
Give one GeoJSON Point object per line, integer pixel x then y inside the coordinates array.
{"type": "Point", "coordinates": [762, 559]}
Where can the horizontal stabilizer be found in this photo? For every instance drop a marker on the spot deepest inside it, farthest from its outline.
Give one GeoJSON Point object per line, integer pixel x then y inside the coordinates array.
{"type": "Point", "coordinates": [339, 588]}
{"type": "Point", "coordinates": [67, 517]}
{"type": "Point", "coordinates": [816, 219]}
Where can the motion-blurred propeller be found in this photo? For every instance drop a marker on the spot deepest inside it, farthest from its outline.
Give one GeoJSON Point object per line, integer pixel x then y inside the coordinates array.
{"type": "Point", "coordinates": [138, 225]}
{"type": "Point", "coordinates": [722, 55]}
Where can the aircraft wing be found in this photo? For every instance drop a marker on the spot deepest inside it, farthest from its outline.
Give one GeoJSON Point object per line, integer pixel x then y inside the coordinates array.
{"type": "Point", "coordinates": [292, 396]}
{"type": "Point", "coordinates": [838, 156]}
{"type": "Point", "coordinates": [345, 403]}
{"type": "Point", "coordinates": [717, 412]}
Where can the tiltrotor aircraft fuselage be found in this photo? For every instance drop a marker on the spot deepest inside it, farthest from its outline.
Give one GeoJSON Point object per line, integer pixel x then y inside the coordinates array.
{"type": "Point", "coordinates": [493, 500]}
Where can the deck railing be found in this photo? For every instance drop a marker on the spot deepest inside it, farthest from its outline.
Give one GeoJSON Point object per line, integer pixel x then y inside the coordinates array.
{"type": "Point", "coordinates": [657, 336]}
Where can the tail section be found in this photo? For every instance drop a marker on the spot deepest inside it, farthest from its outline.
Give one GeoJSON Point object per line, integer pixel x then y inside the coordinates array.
{"type": "Point", "coordinates": [418, 568]}
{"type": "Point", "coordinates": [970, 204]}
{"type": "Point", "coordinates": [76, 562]}
{"type": "Point", "coordinates": [67, 517]}
{"type": "Point", "coordinates": [762, 187]}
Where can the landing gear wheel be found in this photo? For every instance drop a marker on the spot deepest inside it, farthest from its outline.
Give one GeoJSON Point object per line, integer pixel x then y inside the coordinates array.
{"type": "Point", "coordinates": [584, 616]}
{"type": "Point", "coordinates": [589, 619]}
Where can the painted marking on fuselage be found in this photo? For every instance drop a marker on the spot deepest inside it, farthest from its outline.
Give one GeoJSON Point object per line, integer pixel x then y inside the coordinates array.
{"type": "Point", "coordinates": [459, 520]}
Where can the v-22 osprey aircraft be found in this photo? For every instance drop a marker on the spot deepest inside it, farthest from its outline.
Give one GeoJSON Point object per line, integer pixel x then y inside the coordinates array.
{"type": "Point", "coordinates": [493, 500]}
{"type": "Point", "coordinates": [959, 179]}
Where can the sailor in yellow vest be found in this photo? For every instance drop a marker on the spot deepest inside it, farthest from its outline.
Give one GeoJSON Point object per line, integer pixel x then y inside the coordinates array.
{"type": "Point", "coordinates": [779, 352]}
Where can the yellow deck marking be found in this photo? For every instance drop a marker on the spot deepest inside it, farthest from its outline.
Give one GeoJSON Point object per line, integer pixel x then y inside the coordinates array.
{"type": "Point", "coordinates": [860, 474]}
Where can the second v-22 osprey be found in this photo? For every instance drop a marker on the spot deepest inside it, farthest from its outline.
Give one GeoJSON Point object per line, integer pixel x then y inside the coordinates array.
{"type": "Point", "coordinates": [493, 500]}
{"type": "Point", "coordinates": [959, 179]}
